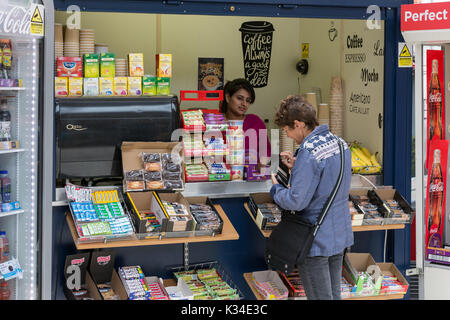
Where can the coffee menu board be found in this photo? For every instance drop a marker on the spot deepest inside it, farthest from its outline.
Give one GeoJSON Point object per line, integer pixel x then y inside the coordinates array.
{"type": "Point", "coordinates": [363, 80]}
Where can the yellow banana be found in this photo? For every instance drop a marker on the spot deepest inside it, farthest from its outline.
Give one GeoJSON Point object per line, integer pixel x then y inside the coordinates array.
{"type": "Point", "coordinates": [365, 151]}
{"type": "Point", "coordinates": [363, 157]}
{"type": "Point", "coordinates": [373, 160]}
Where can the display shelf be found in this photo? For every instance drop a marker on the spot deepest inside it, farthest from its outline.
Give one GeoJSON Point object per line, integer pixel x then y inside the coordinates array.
{"type": "Point", "coordinates": [12, 150]}
{"type": "Point", "coordinates": [249, 280]}
{"type": "Point", "coordinates": [266, 233]}
{"type": "Point", "coordinates": [11, 213]}
{"type": "Point", "coordinates": [228, 233]}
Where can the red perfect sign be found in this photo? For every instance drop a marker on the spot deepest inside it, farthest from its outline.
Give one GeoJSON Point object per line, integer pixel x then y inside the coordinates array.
{"type": "Point", "coordinates": [425, 16]}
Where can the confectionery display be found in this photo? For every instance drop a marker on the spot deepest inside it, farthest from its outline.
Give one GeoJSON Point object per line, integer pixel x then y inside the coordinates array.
{"type": "Point", "coordinates": [161, 171]}
{"type": "Point", "coordinates": [271, 214]}
{"type": "Point", "coordinates": [396, 212]}
{"type": "Point", "coordinates": [294, 284]}
{"type": "Point", "coordinates": [178, 214]}
{"type": "Point", "coordinates": [207, 284]}
{"type": "Point", "coordinates": [206, 217]}
{"type": "Point", "coordinates": [371, 213]}
{"type": "Point", "coordinates": [139, 287]}
{"type": "Point", "coordinates": [97, 213]}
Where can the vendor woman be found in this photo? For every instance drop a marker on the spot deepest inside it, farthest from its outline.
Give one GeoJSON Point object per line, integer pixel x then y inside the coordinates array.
{"type": "Point", "coordinates": [238, 96]}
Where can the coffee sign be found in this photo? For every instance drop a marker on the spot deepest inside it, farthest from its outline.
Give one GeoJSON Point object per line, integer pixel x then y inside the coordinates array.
{"type": "Point", "coordinates": [257, 39]}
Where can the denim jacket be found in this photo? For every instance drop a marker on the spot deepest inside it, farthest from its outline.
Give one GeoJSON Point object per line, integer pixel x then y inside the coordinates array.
{"type": "Point", "coordinates": [313, 177]}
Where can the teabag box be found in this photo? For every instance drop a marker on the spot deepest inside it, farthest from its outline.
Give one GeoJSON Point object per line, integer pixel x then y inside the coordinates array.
{"type": "Point", "coordinates": [61, 86]}
{"type": "Point", "coordinates": [136, 64]}
{"type": "Point", "coordinates": [75, 86]}
{"type": "Point", "coordinates": [107, 64]}
{"type": "Point", "coordinates": [134, 86]}
{"type": "Point", "coordinates": [91, 87]}
{"type": "Point", "coordinates": [120, 86]}
{"type": "Point", "coordinates": [106, 86]}
{"type": "Point", "coordinates": [91, 65]}
{"type": "Point", "coordinates": [164, 65]}
{"type": "Point", "coordinates": [149, 85]}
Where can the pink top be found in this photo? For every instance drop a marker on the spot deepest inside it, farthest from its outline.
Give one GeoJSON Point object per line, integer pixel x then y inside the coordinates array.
{"type": "Point", "coordinates": [256, 139]}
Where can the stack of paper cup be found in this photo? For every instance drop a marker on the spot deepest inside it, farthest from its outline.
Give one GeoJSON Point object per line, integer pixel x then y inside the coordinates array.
{"type": "Point", "coordinates": [101, 48]}
{"type": "Point", "coordinates": [59, 42]}
{"type": "Point", "coordinates": [312, 99]}
{"type": "Point", "coordinates": [324, 114]}
{"type": "Point", "coordinates": [286, 143]}
{"type": "Point", "coordinates": [86, 41]}
{"type": "Point", "coordinates": [121, 67]}
{"type": "Point", "coordinates": [336, 107]}
{"type": "Point", "coordinates": [72, 43]}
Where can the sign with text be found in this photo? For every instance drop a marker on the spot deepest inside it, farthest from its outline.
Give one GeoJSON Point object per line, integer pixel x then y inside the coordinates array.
{"type": "Point", "coordinates": [425, 16]}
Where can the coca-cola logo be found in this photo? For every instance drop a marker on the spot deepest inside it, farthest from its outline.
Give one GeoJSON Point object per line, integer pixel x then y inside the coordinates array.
{"type": "Point", "coordinates": [435, 97]}
{"type": "Point", "coordinates": [15, 20]}
{"type": "Point", "coordinates": [436, 187]}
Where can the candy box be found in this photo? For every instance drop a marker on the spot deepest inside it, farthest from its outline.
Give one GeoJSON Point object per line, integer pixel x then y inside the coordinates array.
{"type": "Point", "coordinates": [268, 283]}
{"type": "Point", "coordinates": [107, 64]}
{"type": "Point", "coordinates": [175, 222]}
{"type": "Point", "coordinates": [164, 65]}
{"type": "Point", "coordinates": [134, 86]}
{"type": "Point", "coordinates": [120, 86]}
{"type": "Point", "coordinates": [75, 86]}
{"type": "Point", "coordinates": [136, 64]}
{"type": "Point", "coordinates": [106, 86]}
{"type": "Point", "coordinates": [254, 203]}
{"type": "Point", "coordinates": [180, 291]}
{"type": "Point", "coordinates": [91, 65]}
{"type": "Point", "coordinates": [140, 204]}
{"type": "Point", "coordinates": [75, 273]}
{"type": "Point", "coordinates": [105, 277]}
{"type": "Point", "coordinates": [163, 86]}
{"type": "Point", "coordinates": [91, 87]}
{"type": "Point", "coordinates": [205, 200]}
{"type": "Point", "coordinates": [69, 67]}
{"type": "Point", "coordinates": [61, 87]}
{"type": "Point", "coordinates": [149, 86]}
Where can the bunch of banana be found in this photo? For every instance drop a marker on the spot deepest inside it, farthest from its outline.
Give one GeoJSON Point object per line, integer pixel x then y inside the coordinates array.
{"type": "Point", "coordinates": [363, 161]}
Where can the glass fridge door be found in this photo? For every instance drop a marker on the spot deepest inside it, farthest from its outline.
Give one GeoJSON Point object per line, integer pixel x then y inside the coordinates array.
{"type": "Point", "coordinates": [19, 131]}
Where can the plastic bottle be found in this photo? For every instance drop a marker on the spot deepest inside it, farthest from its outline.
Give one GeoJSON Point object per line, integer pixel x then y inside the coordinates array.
{"type": "Point", "coordinates": [4, 291]}
{"type": "Point", "coordinates": [5, 184]}
{"type": "Point", "coordinates": [5, 121]}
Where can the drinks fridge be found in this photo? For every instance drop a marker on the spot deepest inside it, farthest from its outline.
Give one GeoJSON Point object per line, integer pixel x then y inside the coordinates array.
{"type": "Point", "coordinates": [21, 108]}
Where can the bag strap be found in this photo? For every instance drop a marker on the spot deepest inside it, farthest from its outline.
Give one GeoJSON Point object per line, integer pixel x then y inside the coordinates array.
{"type": "Point", "coordinates": [334, 192]}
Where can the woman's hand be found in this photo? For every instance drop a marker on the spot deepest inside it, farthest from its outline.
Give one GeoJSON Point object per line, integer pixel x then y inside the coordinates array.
{"type": "Point", "coordinates": [288, 159]}
{"type": "Point", "coordinates": [274, 179]}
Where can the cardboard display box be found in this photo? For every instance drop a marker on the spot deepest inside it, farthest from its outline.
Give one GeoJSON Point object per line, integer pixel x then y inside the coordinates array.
{"type": "Point", "coordinates": [180, 292]}
{"type": "Point", "coordinates": [381, 196]}
{"type": "Point", "coordinates": [357, 219]}
{"type": "Point", "coordinates": [141, 202]}
{"type": "Point", "coordinates": [102, 271]}
{"type": "Point", "coordinates": [81, 260]}
{"type": "Point", "coordinates": [132, 160]}
{"type": "Point", "coordinates": [367, 220]}
{"type": "Point", "coordinates": [171, 223]}
{"type": "Point", "coordinates": [260, 277]}
{"type": "Point", "coordinates": [254, 200]}
{"type": "Point", "coordinates": [205, 200]}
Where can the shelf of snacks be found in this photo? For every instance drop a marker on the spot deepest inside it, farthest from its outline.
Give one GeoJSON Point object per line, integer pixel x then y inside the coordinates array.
{"type": "Point", "coordinates": [266, 285]}
{"type": "Point", "coordinates": [158, 238]}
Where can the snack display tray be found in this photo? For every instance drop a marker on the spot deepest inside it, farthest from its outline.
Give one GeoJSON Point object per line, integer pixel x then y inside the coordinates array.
{"type": "Point", "coordinates": [209, 265]}
{"type": "Point", "coordinates": [104, 238]}
{"type": "Point", "coordinates": [266, 233]}
{"type": "Point", "coordinates": [228, 233]}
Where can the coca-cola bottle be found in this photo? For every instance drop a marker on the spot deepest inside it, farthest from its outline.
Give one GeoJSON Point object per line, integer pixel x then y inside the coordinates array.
{"type": "Point", "coordinates": [435, 104]}
{"type": "Point", "coordinates": [436, 194]}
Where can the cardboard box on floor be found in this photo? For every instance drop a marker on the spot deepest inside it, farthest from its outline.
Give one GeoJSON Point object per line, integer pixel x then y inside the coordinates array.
{"type": "Point", "coordinates": [81, 260]}
{"type": "Point", "coordinates": [205, 200]}
{"type": "Point", "coordinates": [360, 262]}
{"type": "Point", "coordinates": [102, 270]}
{"type": "Point", "coordinates": [132, 160]}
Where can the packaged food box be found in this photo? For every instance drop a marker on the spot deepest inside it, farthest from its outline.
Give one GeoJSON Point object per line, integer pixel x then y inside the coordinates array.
{"type": "Point", "coordinates": [69, 67]}
{"type": "Point", "coordinates": [149, 86]}
{"type": "Point", "coordinates": [75, 86]}
{"type": "Point", "coordinates": [91, 87]}
{"type": "Point", "coordinates": [164, 65]}
{"type": "Point", "coordinates": [106, 86]}
{"type": "Point", "coordinates": [136, 64]}
{"type": "Point", "coordinates": [205, 214]}
{"type": "Point", "coordinates": [107, 64]}
{"type": "Point", "coordinates": [91, 65]}
{"type": "Point", "coordinates": [134, 86]}
{"type": "Point", "coordinates": [120, 86]}
{"type": "Point", "coordinates": [61, 86]}
{"type": "Point", "coordinates": [266, 212]}
{"type": "Point", "coordinates": [397, 208]}
{"type": "Point", "coordinates": [163, 86]}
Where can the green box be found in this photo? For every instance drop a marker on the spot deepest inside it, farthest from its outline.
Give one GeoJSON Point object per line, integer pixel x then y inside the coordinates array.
{"type": "Point", "coordinates": [163, 86]}
{"type": "Point", "coordinates": [91, 65]}
{"type": "Point", "coordinates": [107, 64]}
{"type": "Point", "coordinates": [149, 86]}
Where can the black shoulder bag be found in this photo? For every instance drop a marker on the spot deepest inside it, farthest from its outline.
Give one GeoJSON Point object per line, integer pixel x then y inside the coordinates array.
{"type": "Point", "coordinates": [291, 240]}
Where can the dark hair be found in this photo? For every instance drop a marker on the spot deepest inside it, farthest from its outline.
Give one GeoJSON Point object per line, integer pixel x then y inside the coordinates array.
{"type": "Point", "coordinates": [295, 108]}
{"type": "Point", "coordinates": [231, 87]}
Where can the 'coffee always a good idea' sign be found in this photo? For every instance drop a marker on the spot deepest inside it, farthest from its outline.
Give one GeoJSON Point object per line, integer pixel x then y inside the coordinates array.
{"type": "Point", "coordinates": [257, 39]}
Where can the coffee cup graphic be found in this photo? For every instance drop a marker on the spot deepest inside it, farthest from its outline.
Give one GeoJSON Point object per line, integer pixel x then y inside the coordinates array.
{"type": "Point", "coordinates": [211, 82]}
{"type": "Point", "coordinates": [257, 49]}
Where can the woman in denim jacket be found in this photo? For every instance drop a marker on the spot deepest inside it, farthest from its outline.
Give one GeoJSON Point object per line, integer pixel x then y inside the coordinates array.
{"type": "Point", "coordinates": [314, 169]}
